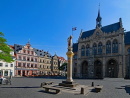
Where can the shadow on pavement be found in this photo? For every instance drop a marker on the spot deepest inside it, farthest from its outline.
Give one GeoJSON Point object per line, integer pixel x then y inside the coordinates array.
{"type": "Point", "coordinates": [22, 87]}
{"type": "Point", "coordinates": [42, 91]}
{"type": "Point", "coordinates": [127, 88]}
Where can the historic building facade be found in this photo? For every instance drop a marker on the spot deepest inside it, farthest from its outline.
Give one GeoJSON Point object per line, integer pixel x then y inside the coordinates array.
{"type": "Point", "coordinates": [44, 62]}
{"type": "Point", "coordinates": [32, 62]}
{"type": "Point", "coordinates": [61, 61]}
{"type": "Point", "coordinates": [26, 60]}
{"type": "Point", "coordinates": [8, 69]}
{"type": "Point", "coordinates": [54, 66]}
{"type": "Point", "coordinates": [102, 52]}
{"type": "Point", "coordinates": [127, 53]}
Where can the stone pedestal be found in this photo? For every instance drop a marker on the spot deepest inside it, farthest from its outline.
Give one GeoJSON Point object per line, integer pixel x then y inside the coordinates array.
{"type": "Point", "coordinates": [68, 84]}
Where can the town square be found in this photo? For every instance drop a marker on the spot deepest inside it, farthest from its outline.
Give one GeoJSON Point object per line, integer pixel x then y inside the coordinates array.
{"type": "Point", "coordinates": [30, 88]}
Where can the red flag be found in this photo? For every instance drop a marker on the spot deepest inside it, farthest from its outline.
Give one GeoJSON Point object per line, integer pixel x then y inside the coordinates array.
{"type": "Point", "coordinates": [75, 28]}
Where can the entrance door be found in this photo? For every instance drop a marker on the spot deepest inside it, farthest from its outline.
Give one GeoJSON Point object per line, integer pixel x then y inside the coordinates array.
{"type": "Point", "coordinates": [23, 73]}
{"type": "Point", "coordinates": [84, 69]}
{"type": "Point", "coordinates": [98, 69]}
{"type": "Point", "coordinates": [112, 69]}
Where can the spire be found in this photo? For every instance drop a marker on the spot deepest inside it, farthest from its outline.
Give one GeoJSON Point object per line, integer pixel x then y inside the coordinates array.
{"type": "Point", "coordinates": [99, 18]}
{"type": "Point", "coordinates": [55, 54]}
{"type": "Point", "coordinates": [28, 43]}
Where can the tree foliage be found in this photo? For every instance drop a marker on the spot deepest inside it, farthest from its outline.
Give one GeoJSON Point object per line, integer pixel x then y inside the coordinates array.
{"type": "Point", "coordinates": [4, 49]}
{"type": "Point", "coordinates": [63, 67]}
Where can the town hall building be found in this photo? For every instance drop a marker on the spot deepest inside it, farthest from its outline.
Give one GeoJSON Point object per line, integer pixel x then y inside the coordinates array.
{"type": "Point", "coordinates": [102, 52]}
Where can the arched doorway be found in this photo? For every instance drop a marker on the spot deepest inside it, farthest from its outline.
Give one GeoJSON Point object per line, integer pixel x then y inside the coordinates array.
{"type": "Point", "coordinates": [98, 73]}
{"type": "Point", "coordinates": [112, 68]}
{"type": "Point", "coordinates": [84, 69]}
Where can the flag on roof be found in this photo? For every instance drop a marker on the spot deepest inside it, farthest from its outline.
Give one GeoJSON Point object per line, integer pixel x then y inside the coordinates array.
{"type": "Point", "coordinates": [75, 28]}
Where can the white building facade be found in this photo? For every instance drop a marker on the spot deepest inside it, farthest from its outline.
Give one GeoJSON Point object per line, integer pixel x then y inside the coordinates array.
{"type": "Point", "coordinates": [7, 69]}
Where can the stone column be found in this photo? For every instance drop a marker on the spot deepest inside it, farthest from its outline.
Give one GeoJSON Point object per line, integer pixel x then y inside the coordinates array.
{"type": "Point", "coordinates": [70, 56]}
{"type": "Point", "coordinates": [69, 66]}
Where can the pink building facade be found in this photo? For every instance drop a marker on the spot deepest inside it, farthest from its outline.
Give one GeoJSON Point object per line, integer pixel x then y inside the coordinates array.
{"type": "Point", "coordinates": [26, 60]}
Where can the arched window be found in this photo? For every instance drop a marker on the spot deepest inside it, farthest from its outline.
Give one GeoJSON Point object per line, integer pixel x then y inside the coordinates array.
{"type": "Point", "coordinates": [87, 50]}
{"type": "Point", "coordinates": [83, 51]}
{"type": "Point", "coordinates": [100, 48]}
{"type": "Point", "coordinates": [128, 50]}
{"type": "Point", "coordinates": [115, 46]}
{"type": "Point", "coordinates": [94, 49]}
{"type": "Point", "coordinates": [108, 47]}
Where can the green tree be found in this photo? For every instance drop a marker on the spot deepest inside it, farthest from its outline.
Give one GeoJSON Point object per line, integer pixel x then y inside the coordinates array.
{"type": "Point", "coordinates": [63, 67]}
{"type": "Point", "coordinates": [5, 50]}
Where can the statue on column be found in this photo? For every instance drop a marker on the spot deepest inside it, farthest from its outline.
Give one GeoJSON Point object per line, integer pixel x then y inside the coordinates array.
{"type": "Point", "coordinates": [70, 42]}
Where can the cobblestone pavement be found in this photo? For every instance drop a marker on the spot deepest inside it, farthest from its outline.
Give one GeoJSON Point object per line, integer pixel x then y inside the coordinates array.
{"type": "Point", "coordinates": [30, 88]}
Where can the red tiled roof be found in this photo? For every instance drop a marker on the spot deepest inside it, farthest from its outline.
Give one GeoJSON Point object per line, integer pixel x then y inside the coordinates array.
{"type": "Point", "coordinates": [62, 58]}
{"type": "Point", "coordinates": [11, 46]}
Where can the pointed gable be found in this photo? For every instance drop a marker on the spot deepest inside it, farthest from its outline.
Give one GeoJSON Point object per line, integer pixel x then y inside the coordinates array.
{"type": "Point", "coordinates": [127, 38]}
{"type": "Point", "coordinates": [17, 48]}
{"type": "Point", "coordinates": [75, 47]}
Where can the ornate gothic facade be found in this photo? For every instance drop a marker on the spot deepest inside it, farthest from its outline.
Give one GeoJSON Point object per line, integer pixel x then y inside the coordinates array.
{"type": "Point", "coordinates": [102, 52]}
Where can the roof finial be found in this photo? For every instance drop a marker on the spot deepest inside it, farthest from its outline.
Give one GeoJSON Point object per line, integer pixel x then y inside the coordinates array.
{"type": "Point", "coordinates": [29, 41]}
{"type": "Point", "coordinates": [99, 11]}
{"type": "Point", "coordinates": [120, 20]}
{"type": "Point", "coordinates": [99, 5]}
{"type": "Point", "coordinates": [81, 32]}
{"type": "Point", "coordinates": [55, 53]}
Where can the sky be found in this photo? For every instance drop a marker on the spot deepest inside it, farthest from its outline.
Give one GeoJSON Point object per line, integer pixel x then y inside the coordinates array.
{"type": "Point", "coordinates": [48, 23]}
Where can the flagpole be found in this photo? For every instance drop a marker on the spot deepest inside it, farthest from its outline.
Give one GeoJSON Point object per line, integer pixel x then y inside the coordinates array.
{"type": "Point", "coordinates": [72, 31]}
{"type": "Point", "coordinates": [72, 34]}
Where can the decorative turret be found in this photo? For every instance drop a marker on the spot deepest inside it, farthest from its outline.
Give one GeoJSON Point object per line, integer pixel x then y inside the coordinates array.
{"type": "Point", "coordinates": [120, 20]}
{"type": "Point", "coordinates": [98, 20]}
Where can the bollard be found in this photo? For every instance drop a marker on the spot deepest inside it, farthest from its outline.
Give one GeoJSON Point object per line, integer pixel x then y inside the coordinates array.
{"type": "Point", "coordinates": [92, 84]}
{"type": "Point", "coordinates": [41, 84]}
{"type": "Point", "coordinates": [82, 90]}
